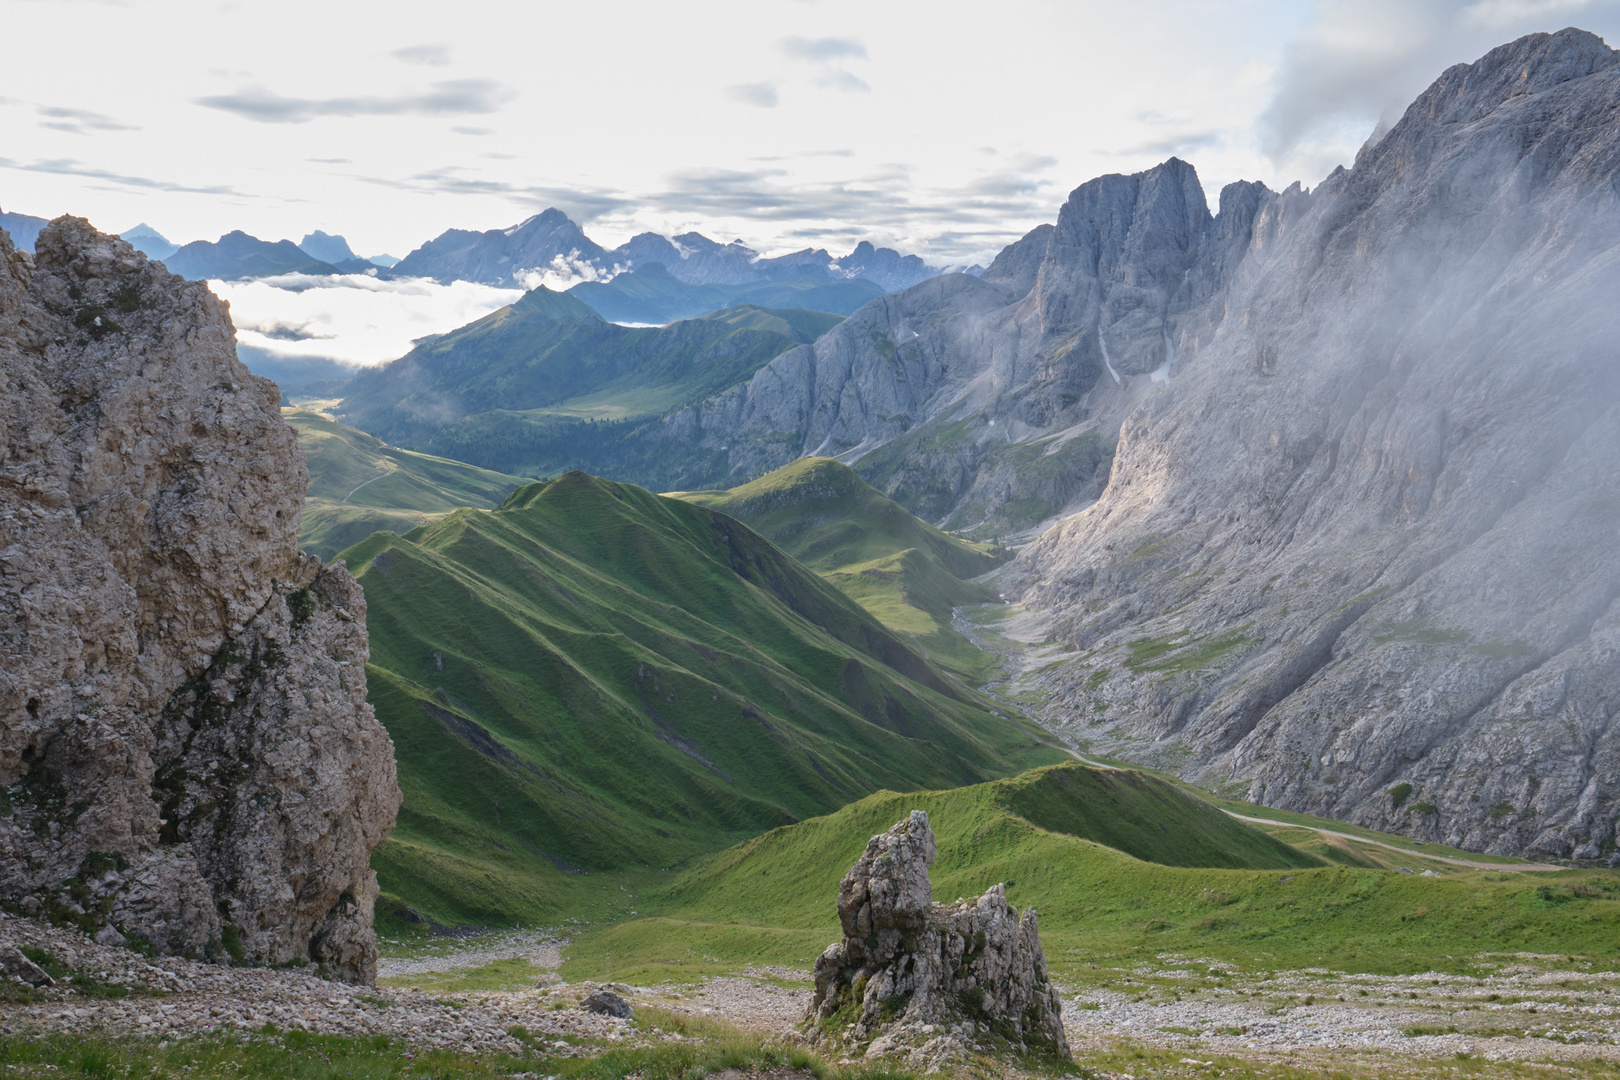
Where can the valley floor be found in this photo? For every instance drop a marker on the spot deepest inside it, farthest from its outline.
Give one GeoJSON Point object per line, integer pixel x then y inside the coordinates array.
{"type": "Point", "coordinates": [1515, 1015]}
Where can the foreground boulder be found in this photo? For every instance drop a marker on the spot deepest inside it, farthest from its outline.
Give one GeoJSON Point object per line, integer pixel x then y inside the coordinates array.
{"type": "Point", "coordinates": [930, 980]}
{"type": "Point", "coordinates": [187, 755]}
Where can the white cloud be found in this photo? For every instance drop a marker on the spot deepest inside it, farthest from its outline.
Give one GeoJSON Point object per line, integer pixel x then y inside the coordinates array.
{"type": "Point", "coordinates": [353, 318]}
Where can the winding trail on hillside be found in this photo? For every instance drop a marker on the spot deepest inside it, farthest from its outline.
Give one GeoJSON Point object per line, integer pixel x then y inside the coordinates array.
{"type": "Point", "coordinates": [374, 479]}
{"type": "Point", "coordinates": [1010, 656]}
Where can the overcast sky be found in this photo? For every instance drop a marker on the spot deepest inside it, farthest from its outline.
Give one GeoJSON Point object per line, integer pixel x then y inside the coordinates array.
{"type": "Point", "coordinates": [945, 128]}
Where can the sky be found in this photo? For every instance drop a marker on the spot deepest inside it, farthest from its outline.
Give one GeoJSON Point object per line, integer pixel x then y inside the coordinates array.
{"type": "Point", "coordinates": [941, 127]}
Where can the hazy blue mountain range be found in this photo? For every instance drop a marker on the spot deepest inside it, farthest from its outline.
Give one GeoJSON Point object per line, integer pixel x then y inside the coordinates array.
{"type": "Point", "coordinates": [551, 240]}
{"type": "Point", "coordinates": [23, 228]}
{"type": "Point", "coordinates": [236, 255]}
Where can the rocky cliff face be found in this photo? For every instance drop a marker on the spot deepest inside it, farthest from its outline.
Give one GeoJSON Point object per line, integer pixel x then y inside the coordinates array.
{"type": "Point", "coordinates": [187, 754]}
{"type": "Point", "coordinates": [1360, 556]}
{"type": "Point", "coordinates": [990, 403]}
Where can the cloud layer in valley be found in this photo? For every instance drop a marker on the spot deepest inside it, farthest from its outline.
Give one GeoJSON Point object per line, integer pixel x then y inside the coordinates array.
{"type": "Point", "coordinates": [352, 319]}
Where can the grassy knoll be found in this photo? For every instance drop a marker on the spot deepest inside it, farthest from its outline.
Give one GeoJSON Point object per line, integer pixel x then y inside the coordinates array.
{"type": "Point", "coordinates": [903, 570]}
{"type": "Point", "coordinates": [593, 683]}
{"type": "Point", "coordinates": [1193, 887]}
{"type": "Point", "coordinates": [358, 484]}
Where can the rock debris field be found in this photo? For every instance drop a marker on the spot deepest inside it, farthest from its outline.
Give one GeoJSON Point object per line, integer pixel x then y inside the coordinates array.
{"type": "Point", "coordinates": [1531, 1007]}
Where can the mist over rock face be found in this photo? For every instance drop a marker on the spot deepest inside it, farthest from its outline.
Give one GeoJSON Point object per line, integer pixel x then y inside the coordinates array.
{"type": "Point", "coordinates": [908, 967]}
{"type": "Point", "coordinates": [1360, 557]}
{"type": "Point", "coordinates": [186, 749]}
{"type": "Point", "coordinates": [991, 403]}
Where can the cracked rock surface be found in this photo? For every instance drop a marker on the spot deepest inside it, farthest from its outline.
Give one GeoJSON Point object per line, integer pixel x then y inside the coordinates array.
{"type": "Point", "coordinates": [1360, 557]}
{"type": "Point", "coordinates": [925, 979]}
{"type": "Point", "coordinates": [186, 753]}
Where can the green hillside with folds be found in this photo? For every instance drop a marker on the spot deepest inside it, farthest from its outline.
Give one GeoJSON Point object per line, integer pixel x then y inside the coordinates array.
{"type": "Point", "coordinates": [900, 568]}
{"type": "Point", "coordinates": [1123, 868]}
{"type": "Point", "coordinates": [650, 294]}
{"type": "Point", "coordinates": [593, 679]}
{"type": "Point", "coordinates": [358, 484]}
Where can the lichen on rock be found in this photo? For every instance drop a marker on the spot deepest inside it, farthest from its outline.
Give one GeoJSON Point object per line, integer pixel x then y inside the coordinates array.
{"type": "Point", "coordinates": [186, 754]}
{"type": "Point", "coordinates": [926, 980]}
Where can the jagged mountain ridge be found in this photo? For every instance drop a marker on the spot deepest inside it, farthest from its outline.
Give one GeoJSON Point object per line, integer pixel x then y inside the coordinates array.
{"type": "Point", "coordinates": [1360, 557]}
{"type": "Point", "coordinates": [991, 403]}
{"type": "Point", "coordinates": [551, 241]}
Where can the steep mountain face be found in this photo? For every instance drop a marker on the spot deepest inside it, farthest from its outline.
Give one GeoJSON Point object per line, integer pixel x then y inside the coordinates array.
{"type": "Point", "coordinates": [186, 751]}
{"type": "Point", "coordinates": [1360, 555]}
{"type": "Point", "coordinates": [991, 403]}
{"type": "Point", "coordinates": [503, 256]}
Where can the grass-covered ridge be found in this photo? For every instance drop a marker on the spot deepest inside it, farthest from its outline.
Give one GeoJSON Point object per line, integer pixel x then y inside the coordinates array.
{"type": "Point", "coordinates": [527, 389]}
{"type": "Point", "coordinates": [1123, 868]}
{"type": "Point", "coordinates": [650, 294]}
{"type": "Point", "coordinates": [359, 484]}
{"type": "Point", "coordinates": [593, 679]}
{"type": "Point", "coordinates": [901, 569]}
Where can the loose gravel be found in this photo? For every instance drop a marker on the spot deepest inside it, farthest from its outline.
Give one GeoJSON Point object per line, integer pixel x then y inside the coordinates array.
{"type": "Point", "coordinates": [1530, 1007]}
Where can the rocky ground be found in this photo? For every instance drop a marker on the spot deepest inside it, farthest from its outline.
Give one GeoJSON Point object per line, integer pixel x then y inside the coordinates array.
{"type": "Point", "coordinates": [1523, 1007]}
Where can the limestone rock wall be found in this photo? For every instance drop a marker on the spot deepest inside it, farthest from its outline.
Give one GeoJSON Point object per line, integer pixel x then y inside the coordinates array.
{"type": "Point", "coordinates": [185, 749]}
{"type": "Point", "coordinates": [1362, 556]}
{"type": "Point", "coordinates": [925, 979]}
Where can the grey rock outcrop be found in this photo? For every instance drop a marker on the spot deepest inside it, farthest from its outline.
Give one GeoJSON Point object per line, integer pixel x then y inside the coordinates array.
{"type": "Point", "coordinates": [1361, 557]}
{"type": "Point", "coordinates": [185, 747]}
{"type": "Point", "coordinates": [925, 979]}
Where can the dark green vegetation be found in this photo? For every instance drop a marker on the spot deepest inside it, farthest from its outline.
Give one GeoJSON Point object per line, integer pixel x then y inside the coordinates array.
{"type": "Point", "coordinates": [901, 569]}
{"type": "Point", "coordinates": [358, 484]}
{"type": "Point", "coordinates": [545, 385]}
{"type": "Point", "coordinates": [595, 680]}
{"type": "Point", "coordinates": [650, 294]}
{"type": "Point", "coordinates": [1174, 879]}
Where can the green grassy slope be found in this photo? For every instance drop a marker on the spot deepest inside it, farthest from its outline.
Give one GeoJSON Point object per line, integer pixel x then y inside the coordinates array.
{"type": "Point", "coordinates": [649, 294]}
{"type": "Point", "coordinates": [358, 484]}
{"type": "Point", "coordinates": [548, 359]}
{"type": "Point", "coordinates": [1191, 886]}
{"type": "Point", "coordinates": [903, 570]}
{"type": "Point", "coordinates": [596, 678]}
